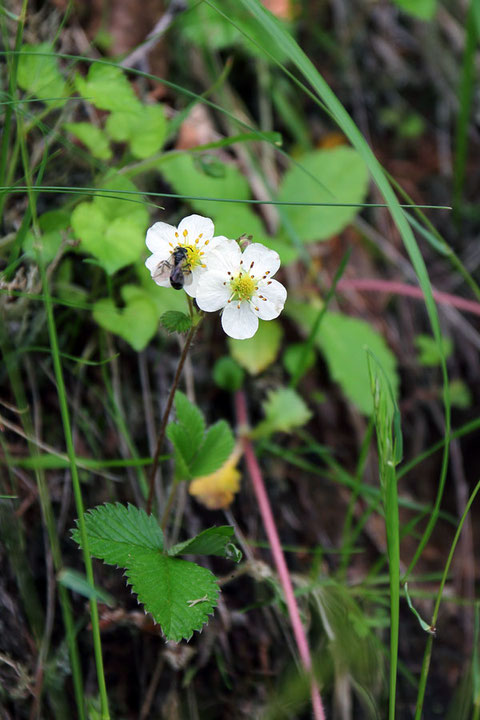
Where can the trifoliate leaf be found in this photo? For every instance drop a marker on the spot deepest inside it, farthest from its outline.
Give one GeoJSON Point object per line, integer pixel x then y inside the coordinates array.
{"type": "Point", "coordinates": [39, 74]}
{"type": "Point", "coordinates": [260, 351]}
{"type": "Point", "coordinates": [198, 452]}
{"type": "Point", "coordinates": [212, 541]}
{"type": "Point", "coordinates": [341, 177]}
{"type": "Point", "coordinates": [91, 136]}
{"type": "Point", "coordinates": [228, 374]}
{"type": "Point", "coordinates": [215, 450]}
{"type": "Point", "coordinates": [136, 323]}
{"type": "Point", "coordinates": [180, 595]}
{"type": "Point", "coordinates": [284, 411]}
{"type": "Point", "coordinates": [429, 353]}
{"type": "Point", "coordinates": [174, 321]}
{"type": "Point", "coordinates": [342, 340]}
{"type": "Point", "coordinates": [110, 228]}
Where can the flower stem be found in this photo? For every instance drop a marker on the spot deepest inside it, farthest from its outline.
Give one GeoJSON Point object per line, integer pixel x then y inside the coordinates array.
{"type": "Point", "coordinates": [163, 426]}
{"type": "Point", "coordinates": [278, 556]}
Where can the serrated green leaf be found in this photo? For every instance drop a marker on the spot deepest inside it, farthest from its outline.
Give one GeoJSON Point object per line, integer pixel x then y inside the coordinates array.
{"type": "Point", "coordinates": [115, 531]}
{"type": "Point", "coordinates": [260, 351]}
{"type": "Point", "coordinates": [191, 418]}
{"type": "Point", "coordinates": [136, 323]}
{"type": "Point", "coordinates": [40, 74]}
{"type": "Point", "coordinates": [284, 411]}
{"type": "Point", "coordinates": [344, 177]}
{"type": "Point", "coordinates": [91, 136]}
{"type": "Point", "coordinates": [107, 88]}
{"type": "Point", "coordinates": [215, 450]}
{"type": "Point", "coordinates": [342, 340]}
{"type": "Point", "coordinates": [213, 541]}
{"type": "Point", "coordinates": [174, 321]}
{"type": "Point", "coordinates": [180, 595]}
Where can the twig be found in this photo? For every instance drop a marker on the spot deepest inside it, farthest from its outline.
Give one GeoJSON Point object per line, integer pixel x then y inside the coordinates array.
{"type": "Point", "coordinates": [399, 288]}
{"type": "Point", "coordinates": [163, 427]}
{"type": "Point", "coordinates": [277, 552]}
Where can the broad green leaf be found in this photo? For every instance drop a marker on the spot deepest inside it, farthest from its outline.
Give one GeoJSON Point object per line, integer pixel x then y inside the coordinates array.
{"type": "Point", "coordinates": [228, 374]}
{"type": "Point", "coordinates": [261, 350]}
{"type": "Point", "coordinates": [107, 88]}
{"type": "Point", "coordinates": [429, 354]}
{"type": "Point", "coordinates": [180, 595]}
{"type": "Point", "coordinates": [342, 340]}
{"type": "Point", "coordinates": [232, 219]}
{"type": "Point", "coordinates": [213, 541]}
{"type": "Point", "coordinates": [343, 178]}
{"type": "Point", "coordinates": [144, 127]}
{"type": "Point", "coordinates": [136, 323]}
{"type": "Point", "coordinates": [117, 201]}
{"type": "Point", "coordinates": [91, 136]}
{"type": "Point", "coordinates": [423, 9]}
{"type": "Point", "coordinates": [39, 74]}
{"type": "Point", "coordinates": [284, 411]}
{"type": "Point", "coordinates": [215, 450]}
{"type": "Point", "coordinates": [174, 321]}
{"type": "Point", "coordinates": [114, 532]}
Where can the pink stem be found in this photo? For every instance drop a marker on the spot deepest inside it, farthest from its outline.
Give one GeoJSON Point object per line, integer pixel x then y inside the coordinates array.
{"type": "Point", "coordinates": [277, 552]}
{"type": "Point", "coordinates": [398, 288]}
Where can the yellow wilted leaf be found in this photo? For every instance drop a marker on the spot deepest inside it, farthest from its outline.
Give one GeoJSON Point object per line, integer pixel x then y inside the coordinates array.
{"type": "Point", "coordinates": [217, 490]}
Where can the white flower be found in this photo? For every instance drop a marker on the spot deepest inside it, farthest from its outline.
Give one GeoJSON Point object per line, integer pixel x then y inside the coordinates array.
{"type": "Point", "coordinates": [241, 284]}
{"type": "Point", "coordinates": [195, 235]}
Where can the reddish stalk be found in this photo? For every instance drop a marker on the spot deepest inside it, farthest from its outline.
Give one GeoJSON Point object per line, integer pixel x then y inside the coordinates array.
{"type": "Point", "coordinates": [399, 288]}
{"type": "Point", "coordinates": [277, 552]}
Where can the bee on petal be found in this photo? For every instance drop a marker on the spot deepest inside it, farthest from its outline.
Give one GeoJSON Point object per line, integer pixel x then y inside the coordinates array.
{"type": "Point", "coordinates": [176, 268]}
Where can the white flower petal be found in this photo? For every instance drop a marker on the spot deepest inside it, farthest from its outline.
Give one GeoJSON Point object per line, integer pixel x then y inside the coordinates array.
{"type": "Point", "coordinates": [225, 257]}
{"type": "Point", "coordinates": [212, 292]}
{"type": "Point", "coordinates": [269, 300]}
{"type": "Point", "coordinates": [196, 226]}
{"type": "Point", "coordinates": [152, 264]}
{"type": "Point", "coordinates": [264, 260]}
{"type": "Point", "coordinates": [239, 321]}
{"type": "Point", "coordinates": [161, 239]}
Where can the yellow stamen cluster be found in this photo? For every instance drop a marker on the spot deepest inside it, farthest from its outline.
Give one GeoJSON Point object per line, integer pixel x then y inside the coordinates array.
{"type": "Point", "coordinates": [243, 287]}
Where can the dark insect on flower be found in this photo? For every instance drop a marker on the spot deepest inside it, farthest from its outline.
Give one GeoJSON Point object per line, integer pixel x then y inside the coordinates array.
{"type": "Point", "coordinates": [176, 268]}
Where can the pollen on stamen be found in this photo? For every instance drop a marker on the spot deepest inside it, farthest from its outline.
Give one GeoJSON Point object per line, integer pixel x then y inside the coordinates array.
{"type": "Point", "coordinates": [201, 235]}
{"type": "Point", "coordinates": [257, 309]}
{"type": "Point", "coordinates": [196, 241]}
{"type": "Point", "coordinates": [229, 301]}
{"type": "Point", "coordinates": [201, 253]}
{"type": "Point", "coordinates": [176, 233]}
{"type": "Point", "coordinates": [203, 265]}
{"type": "Point", "coordinates": [269, 282]}
{"type": "Point", "coordinates": [252, 276]}
{"type": "Point", "coordinates": [238, 306]}
{"type": "Point", "coordinates": [185, 233]}
{"type": "Point", "coordinates": [206, 242]}
{"type": "Point", "coordinates": [251, 264]}
{"type": "Point", "coordinates": [267, 272]}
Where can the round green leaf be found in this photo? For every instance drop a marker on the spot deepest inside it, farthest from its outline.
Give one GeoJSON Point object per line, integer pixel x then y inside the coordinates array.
{"type": "Point", "coordinates": [261, 350]}
{"type": "Point", "coordinates": [136, 323]}
{"type": "Point", "coordinates": [341, 176]}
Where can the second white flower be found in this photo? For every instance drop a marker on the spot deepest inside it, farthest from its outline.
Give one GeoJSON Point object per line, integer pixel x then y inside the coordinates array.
{"type": "Point", "coordinates": [241, 284]}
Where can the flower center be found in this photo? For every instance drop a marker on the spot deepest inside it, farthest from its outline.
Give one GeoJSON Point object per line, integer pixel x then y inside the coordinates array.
{"type": "Point", "coordinates": [194, 256]}
{"type": "Point", "coordinates": [243, 286]}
